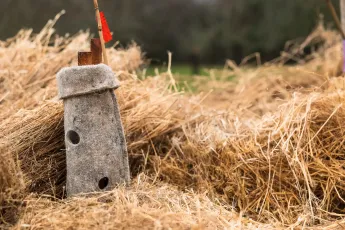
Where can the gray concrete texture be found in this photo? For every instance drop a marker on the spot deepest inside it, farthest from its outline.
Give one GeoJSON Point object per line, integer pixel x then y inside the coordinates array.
{"type": "Point", "coordinates": [96, 151]}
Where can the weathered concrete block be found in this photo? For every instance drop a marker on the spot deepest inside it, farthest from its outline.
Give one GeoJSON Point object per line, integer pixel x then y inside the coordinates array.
{"type": "Point", "coordinates": [96, 152]}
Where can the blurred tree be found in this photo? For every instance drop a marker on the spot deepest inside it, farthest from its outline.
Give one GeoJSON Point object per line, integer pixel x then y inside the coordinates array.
{"type": "Point", "coordinates": [218, 29]}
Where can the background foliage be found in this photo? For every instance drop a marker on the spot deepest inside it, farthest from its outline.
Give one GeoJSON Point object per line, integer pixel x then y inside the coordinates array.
{"type": "Point", "coordinates": [217, 29]}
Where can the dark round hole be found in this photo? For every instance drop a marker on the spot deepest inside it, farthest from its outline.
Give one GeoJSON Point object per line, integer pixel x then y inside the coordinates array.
{"type": "Point", "coordinates": [73, 137]}
{"type": "Point", "coordinates": [103, 183]}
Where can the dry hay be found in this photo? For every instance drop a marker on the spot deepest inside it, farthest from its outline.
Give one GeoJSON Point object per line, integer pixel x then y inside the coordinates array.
{"type": "Point", "coordinates": [40, 146]}
{"type": "Point", "coordinates": [256, 91]}
{"type": "Point", "coordinates": [29, 63]}
{"type": "Point", "coordinates": [143, 206]}
{"type": "Point", "coordinates": [282, 169]}
{"type": "Point", "coordinates": [279, 169]}
{"type": "Point", "coordinates": [11, 185]}
{"type": "Point", "coordinates": [287, 166]}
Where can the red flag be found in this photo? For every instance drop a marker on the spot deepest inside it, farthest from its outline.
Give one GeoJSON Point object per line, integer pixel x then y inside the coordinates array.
{"type": "Point", "coordinates": [106, 31]}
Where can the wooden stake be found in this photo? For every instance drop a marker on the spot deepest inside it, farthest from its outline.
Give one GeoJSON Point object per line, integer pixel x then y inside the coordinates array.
{"type": "Point", "coordinates": [342, 10]}
{"type": "Point", "coordinates": [96, 50]}
{"type": "Point", "coordinates": [84, 58]}
{"type": "Point", "coordinates": [335, 17]}
{"type": "Point", "coordinates": [100, 32]}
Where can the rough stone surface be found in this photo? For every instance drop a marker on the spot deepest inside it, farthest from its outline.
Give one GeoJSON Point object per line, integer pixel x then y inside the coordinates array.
{"type": "Point", "coordinates": [96, 151]}
{"type": "Point", "coordinates": [80, 80]}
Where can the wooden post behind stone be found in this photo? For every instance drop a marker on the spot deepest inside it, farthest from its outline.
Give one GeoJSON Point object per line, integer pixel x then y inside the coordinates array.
{"type": "Point", "coordinates": [96, 50]}
{"type": "Point", "coordinates": [84, 58]}
{"type": "Point", "coordinates": [91, 58]}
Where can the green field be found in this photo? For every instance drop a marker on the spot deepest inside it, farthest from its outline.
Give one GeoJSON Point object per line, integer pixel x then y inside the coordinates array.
{"type": "Point", "coordinates": [185, 78]}
{"type": "Point", "coordinates": [182, 69]}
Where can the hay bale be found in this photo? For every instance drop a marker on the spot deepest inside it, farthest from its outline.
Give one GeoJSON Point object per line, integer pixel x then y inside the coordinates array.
{"type": "Point", "coordinates": [286, 166]}
{"type": "Point", "coordinates": [283, 166]}
{"type": "Point", "coordinates": [256, 91]}
{"type": "Point", "coordinates": [11, 186]}
{"type": "Point", "coordinates": [143, 206]}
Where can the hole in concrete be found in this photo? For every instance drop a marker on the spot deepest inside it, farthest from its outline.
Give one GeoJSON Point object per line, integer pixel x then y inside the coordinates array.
{"type": "Point", "coordinates": [73, 137]}
{"type": "Point", "coordinates": [103, 183]}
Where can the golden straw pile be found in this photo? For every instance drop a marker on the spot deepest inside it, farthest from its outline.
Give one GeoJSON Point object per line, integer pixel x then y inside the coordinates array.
{"type": "Point", "coordinates": [263, 151]}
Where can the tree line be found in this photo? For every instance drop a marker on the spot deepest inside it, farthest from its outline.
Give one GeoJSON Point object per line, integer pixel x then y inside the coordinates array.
{"type": "Point", "coordinates": [215, 29]}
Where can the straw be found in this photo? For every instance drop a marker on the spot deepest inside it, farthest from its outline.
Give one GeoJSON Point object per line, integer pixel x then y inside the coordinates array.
{"type": "Point", "coordinates": [271, 156]}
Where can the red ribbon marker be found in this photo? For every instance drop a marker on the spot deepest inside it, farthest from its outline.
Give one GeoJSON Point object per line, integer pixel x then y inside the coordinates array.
{"type": "Point", "coordinates": [106, 31]}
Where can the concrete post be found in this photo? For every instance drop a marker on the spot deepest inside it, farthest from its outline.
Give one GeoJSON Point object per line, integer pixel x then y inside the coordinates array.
{"type": "Point", "coordinates": [96, 151]}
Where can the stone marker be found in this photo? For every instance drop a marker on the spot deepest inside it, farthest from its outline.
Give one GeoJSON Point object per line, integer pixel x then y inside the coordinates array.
{"type": "Point", "coordinates": [96, 150]}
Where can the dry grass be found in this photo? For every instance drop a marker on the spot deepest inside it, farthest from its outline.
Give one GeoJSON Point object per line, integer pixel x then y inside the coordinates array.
{"type": "Point", "coordinates": [274, 156]}
{"type": "Point", "coordinates": [143, 206]}
{"type": "Point", "coordinates": [286, 166]}
{"type": "Point", "coordinates": [256, 91]}
{"type": "Point", "coordinates": [29, 64]}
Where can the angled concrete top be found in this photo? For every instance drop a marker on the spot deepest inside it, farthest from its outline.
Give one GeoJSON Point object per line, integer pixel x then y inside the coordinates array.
{"type": "Point", "coordinates": [81, 80]}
